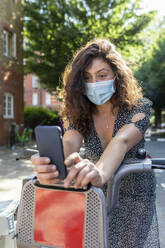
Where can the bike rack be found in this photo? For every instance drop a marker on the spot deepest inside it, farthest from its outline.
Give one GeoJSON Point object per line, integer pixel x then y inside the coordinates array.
{"type": "Point", "coordinates": [128, 166]}
{"type": "Point", "coordinates": [141, 164]}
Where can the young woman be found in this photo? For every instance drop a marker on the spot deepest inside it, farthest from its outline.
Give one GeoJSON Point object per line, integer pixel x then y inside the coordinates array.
{"type": "Point", "coordinates": [104, 106]}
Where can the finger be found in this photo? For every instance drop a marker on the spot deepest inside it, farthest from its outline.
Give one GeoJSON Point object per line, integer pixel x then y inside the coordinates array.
{"type": "Point", "coordinates": [81, 176]}
{"type": "Point", "coordinates": [47, 176]}
{"type": "Point", "coordinates": [40, 160]}
{"type": "Point", "coordinates": [89, 167]}
{"type": "Point", "coordinates": [73, 173]}
{"type": "Point", "coordinates": [54, 181]}
{"type": "Point", "coordinates": [72, 159]}
{"type": "Point", "coordinates": [44, 168]}
{"type": "Point", "coordinates": [88, 178]}
{"type": "Point", "coordinates": [92, 177]}
{"type": "Point", "coordinates": [50, 182]}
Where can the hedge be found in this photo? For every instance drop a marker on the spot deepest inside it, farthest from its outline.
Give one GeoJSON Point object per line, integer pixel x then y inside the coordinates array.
{"type": "Point", "coordinates": [34, 116]}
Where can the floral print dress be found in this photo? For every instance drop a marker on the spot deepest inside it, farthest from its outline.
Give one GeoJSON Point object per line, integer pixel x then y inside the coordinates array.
{"type": "Point", "coordinates": [134, 222]}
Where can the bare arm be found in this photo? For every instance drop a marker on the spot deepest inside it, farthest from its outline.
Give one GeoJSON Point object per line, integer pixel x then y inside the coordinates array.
{"type": "Point", "coordinates": [72, 141]}
{"type": "Point", "coordinates": [127, 137]}
{"type": "Point", "coordinates": [85, 171]}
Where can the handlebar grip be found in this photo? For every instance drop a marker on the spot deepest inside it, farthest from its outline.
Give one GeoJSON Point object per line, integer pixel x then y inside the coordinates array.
{"type": "Point", "coordinates": [158, 166]}
{"type": "Point", "coordinates": [158, 161]}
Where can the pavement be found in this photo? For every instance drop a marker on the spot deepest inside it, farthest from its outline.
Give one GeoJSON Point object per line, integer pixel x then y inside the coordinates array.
{"type": "Point", "coordinates": [156, 149]}
{"type": "Point", "coordinates": [13, 171]}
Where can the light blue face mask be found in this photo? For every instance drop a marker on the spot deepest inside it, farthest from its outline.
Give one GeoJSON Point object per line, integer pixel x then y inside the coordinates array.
{"type": "Point", "coordinates": [100, 92]}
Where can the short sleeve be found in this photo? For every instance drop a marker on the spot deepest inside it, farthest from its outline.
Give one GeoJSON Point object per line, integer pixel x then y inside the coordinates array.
{"type": "Point", "coordinates": [144, 106]}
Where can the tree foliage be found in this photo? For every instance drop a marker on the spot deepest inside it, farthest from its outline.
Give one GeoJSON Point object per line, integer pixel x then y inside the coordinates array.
{"type": "Point", "coordinates": [54, 29]}
{"type": "Point", "coordinates": [152, 73]}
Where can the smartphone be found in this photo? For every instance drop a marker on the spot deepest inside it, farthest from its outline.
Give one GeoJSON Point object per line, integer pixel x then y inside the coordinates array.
{"type": "Point", "coordinates": [49, 142]}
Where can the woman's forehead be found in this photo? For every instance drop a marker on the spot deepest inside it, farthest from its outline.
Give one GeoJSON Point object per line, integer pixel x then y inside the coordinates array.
{"type": "Point", "coordinates": [98, 64]}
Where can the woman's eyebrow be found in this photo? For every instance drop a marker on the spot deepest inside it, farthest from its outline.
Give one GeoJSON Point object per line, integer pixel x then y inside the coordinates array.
{"type": "Point", "coordinates": [102, 69]}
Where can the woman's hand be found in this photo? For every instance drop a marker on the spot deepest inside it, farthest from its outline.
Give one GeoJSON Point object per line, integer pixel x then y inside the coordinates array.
{"type": "Point", "coordinates": [82, 172]}
{"type": "Point", "coordinates": [46, 172]}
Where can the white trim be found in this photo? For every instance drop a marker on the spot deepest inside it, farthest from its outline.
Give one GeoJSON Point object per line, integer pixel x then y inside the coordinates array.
{"type": "Point", "coordinates": [8, 106]}
{"type": "Point", "coordinates": [48, 98]}
{"type": "Point", "coordinates": [35, 99]}
{"type": "Point", "coordinates": [14, 45]}
{"type": "Point", "coordinates": [5, 43]}
{"type": "Point", "coordinates": [34, 81]}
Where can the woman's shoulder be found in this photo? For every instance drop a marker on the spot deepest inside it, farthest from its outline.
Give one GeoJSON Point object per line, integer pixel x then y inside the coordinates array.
{"type": "Point", "coordinates": [143, 106]}
{"type": "Point", "coordinates": [144, 102]}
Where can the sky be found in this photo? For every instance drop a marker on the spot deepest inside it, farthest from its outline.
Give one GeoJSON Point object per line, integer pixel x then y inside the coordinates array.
{"type": "Point", "coordinates": [154, 5]}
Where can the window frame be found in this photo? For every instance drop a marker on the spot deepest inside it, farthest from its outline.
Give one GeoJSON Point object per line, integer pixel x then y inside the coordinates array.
{"type": "Point", "coordinates": [7, 107]}
{"type": "Point", "coordinates": [9, 43]}
{"type": "Point", "coordinates": [34, 81]}
{"type": "Point", "coordinates": [47, 99]}
{"type": "Point", "coordinates": [14, 38]}
{"type": "Point", "coordinates": [35, 100]}
{"type": "Point", "coordinates": [5, 46]}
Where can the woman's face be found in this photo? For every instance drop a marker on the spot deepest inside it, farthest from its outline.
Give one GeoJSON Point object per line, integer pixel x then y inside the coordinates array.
{"type": "Point", "coordinates": [98, 71]}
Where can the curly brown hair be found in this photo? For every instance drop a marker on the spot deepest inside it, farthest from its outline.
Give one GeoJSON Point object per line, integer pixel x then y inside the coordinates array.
{"type": "Point", "coordinates": [76, 106]}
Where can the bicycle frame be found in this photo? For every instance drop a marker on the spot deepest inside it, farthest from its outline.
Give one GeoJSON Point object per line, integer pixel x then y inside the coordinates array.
{"type": "Point", "coordinates": [90, 195]}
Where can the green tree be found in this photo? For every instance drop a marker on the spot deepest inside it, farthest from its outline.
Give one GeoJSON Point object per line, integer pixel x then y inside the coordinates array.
{"type": "Point", "coordinates": [54, 29]}
{"type": "Point", "coordinates": [152, 74]}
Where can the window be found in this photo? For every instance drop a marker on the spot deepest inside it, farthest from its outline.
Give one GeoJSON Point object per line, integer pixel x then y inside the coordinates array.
{"type": "Point", "coordinates": [34, 82]}
{"type": "Point", "coordinates": [5, 43]}
{"type": "Point", "coordinates": [35, 99]}
{"type": "Point", "coordinates": [14, 45]}
{"type": "Point", "coordinates": [47, 99]}
{"type": "Point", "coordinates": [8, 106]}
{"type": "Point", "coordinates": [9, 44]}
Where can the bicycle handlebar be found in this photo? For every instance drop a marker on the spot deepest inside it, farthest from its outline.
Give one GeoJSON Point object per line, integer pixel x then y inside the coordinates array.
{"type": "Point", "coordinates": [158, 163]}
{"type": "Point", "coordinates": [124, 170]}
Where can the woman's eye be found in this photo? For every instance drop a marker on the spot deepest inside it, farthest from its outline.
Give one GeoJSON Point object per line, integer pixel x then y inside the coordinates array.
{"type": "Point", "coordinates": [86, 78]}
{"type": "Point", "coordinates": [102, 75]}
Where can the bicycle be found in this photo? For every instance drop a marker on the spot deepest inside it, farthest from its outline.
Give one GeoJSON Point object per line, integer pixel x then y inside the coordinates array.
{"type": "Point", "coordinates": [41, 216]}
{"type": "Point", "coordinates": [25, 137]}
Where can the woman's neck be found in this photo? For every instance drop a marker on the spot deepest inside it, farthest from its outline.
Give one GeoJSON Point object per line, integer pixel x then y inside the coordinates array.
{"type": "Point", "coordinates": [104, 109]}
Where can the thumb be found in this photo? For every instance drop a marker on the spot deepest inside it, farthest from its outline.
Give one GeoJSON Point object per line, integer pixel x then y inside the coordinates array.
{"type": "Point", "coordinates": [73, 158]}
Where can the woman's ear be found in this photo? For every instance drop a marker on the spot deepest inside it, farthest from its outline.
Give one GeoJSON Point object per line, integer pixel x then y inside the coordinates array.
{"type": "Point", "coordinates": [115, 81]}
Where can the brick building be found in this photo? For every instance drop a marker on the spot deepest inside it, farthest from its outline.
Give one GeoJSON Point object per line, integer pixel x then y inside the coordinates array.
{"type": "Point", "coordinates": [11, 67]}
{"type": "Point", "coordinates": [34, 95]}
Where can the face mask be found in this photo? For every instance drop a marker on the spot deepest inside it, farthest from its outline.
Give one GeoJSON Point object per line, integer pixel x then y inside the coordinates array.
{"type": "Point", "coordinates": [100, 92]}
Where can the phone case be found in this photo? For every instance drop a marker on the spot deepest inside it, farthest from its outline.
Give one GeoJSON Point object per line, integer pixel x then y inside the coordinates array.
{"type": "Point", "coordinates": [49, 142]}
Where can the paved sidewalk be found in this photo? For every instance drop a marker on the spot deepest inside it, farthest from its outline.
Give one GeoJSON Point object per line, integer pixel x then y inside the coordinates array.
{"type": "Point", "coordinates": [12, 172]}
{"type": "Point", "coordinates": [157, 150]}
